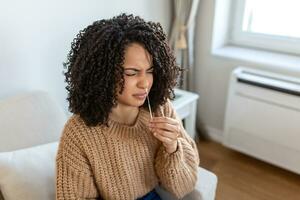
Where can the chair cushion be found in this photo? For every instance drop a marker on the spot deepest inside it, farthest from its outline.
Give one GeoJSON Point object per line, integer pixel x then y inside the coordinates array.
{"type": "Point", "coordinates": [29, 173]}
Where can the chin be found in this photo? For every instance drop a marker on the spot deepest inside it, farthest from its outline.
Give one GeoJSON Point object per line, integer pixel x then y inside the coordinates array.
{"type": "Point", "coordinates": [136, 103]}
{"type": "Point", "coordinates": [139, 104]}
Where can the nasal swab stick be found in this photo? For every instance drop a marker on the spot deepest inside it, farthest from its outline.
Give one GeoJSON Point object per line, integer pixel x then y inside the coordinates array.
{"type": "Point", "coordinates": [149, 106]}
{"type": "Point", "coordinates": [162, 111]}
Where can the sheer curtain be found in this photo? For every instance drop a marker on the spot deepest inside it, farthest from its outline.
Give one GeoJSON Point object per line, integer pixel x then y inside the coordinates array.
{"type": "Point", "coordinates": [181, 41]}
{"type": "Point", "coordinates": [182, 38]}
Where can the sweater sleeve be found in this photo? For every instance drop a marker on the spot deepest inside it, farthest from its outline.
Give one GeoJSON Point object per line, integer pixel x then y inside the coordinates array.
{"type": "Point", "coordinates": [74, 177]}
{"type": "Point", "coordinates": [177, 172]}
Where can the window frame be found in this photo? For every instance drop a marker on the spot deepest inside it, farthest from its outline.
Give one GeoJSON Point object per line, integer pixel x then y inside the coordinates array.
{"type": "Point", "coordinates": [268, 42]}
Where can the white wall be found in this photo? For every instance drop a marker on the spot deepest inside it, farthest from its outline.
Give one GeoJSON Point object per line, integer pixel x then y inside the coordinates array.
{"type": "Point", "coordinates": [212, 72]}
{"type": "Point", "coordinates": [35, 37]}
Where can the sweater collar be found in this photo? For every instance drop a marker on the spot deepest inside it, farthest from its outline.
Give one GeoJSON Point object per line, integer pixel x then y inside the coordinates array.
{"type": "Point", "coordinates": [141, 123]}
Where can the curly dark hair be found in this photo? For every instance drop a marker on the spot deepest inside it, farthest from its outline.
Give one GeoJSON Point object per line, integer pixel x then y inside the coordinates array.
{"type": "Point", "coordinates": [94, 69]}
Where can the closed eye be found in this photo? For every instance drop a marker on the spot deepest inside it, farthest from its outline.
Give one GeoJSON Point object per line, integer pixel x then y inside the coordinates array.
{"type": "Point", "coordinates": [150, 70]}
{"type": "Point", "coordinates": [131, 72]}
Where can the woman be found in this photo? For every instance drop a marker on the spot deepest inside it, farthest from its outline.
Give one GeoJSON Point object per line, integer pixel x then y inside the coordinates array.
{"type": "Point", "coordinates": [119, 144]}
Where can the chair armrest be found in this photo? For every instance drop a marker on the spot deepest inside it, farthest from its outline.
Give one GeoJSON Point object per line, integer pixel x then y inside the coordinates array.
{"type": "Point", "coordinates": [205, 188]}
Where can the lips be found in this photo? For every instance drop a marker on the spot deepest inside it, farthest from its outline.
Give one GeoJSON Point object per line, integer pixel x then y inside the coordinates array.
{"type": "Point", "coordinates": [140, 95]}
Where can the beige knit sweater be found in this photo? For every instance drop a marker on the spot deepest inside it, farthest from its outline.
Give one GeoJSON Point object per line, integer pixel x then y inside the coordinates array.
{"type": "Point", "coordinates": [122, 162]}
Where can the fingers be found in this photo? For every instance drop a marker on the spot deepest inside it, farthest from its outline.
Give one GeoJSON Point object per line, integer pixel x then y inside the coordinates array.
{"type": "Point", "coordinates": [168, 127]}
{"type": "Point", "coordinates": [164, 119]}
{"type": "Point", "coordinates": [167, 130]}
{"type": "Point", "coordinates": [166, 134]}
{"type": "Point", "coordinates": [166, 123]}
{"type": "Point", "coordinates": [170, 144]}
{"type": "Point", "coordinates": [165, 126]}
{"type": "Point", "coordinates": [163, 139]}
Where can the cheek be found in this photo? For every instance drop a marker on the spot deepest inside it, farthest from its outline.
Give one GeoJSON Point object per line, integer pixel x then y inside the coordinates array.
{"type": "Point", "coordinates": [129, 84]}
{"type": "Point", "coordinates": [151, 80]}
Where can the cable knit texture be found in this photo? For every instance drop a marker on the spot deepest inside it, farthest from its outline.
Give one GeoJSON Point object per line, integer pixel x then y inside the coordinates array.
{"type": "Point", "coordinates": [122, 162]}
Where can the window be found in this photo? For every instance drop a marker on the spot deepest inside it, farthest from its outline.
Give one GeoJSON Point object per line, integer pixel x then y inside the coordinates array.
{"type": "Point", "coordinates": [266, 24]}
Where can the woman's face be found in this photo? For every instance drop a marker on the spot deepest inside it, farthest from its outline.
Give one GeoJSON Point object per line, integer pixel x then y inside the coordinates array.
{"type": "Point", "coordinates": [138, 76]}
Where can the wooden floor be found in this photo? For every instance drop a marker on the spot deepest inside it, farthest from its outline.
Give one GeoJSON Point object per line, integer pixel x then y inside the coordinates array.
{"type": "Point", "coordinates": [241, 177]}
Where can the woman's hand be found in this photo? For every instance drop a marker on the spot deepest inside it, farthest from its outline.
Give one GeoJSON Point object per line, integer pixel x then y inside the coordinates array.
{"type": "Point", "coordinates": [167, 130]}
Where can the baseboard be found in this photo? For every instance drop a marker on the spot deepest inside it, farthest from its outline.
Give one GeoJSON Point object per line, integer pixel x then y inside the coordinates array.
{"type": "Point", "coordinates": [215, 134]}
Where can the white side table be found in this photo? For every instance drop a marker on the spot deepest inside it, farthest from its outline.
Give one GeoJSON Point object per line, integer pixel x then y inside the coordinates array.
{"type": "Point", "coordinates": [185, 105]}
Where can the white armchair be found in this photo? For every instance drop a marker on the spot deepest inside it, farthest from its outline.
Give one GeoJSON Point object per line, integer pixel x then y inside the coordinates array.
{"type": "Point", "coordinates": [30, 127]}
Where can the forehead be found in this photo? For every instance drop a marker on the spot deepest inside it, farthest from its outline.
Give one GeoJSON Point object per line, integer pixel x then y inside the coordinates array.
{"type": "Point", "coordinates": [137, 56]}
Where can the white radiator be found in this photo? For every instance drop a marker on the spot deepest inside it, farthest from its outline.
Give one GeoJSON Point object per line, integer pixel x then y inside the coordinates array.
{"type": "Point", "coordinates": [263, 117]}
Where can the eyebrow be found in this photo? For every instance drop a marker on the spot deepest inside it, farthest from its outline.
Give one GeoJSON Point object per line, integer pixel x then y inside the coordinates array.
{"type": "Point", "coordinates": [135, 69]}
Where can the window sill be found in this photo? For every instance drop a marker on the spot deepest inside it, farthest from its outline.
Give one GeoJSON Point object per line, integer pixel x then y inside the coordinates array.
{"type": "Point", "coordinates": [278, 60]}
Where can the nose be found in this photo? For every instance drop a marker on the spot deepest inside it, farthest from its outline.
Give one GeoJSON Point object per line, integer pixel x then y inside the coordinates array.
{"type": "Point", "coordinates": [143, 83]}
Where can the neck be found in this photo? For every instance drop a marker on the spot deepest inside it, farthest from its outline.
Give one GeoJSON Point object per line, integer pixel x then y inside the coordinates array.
{"type": "Point", "coordinates": [124, 114]}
